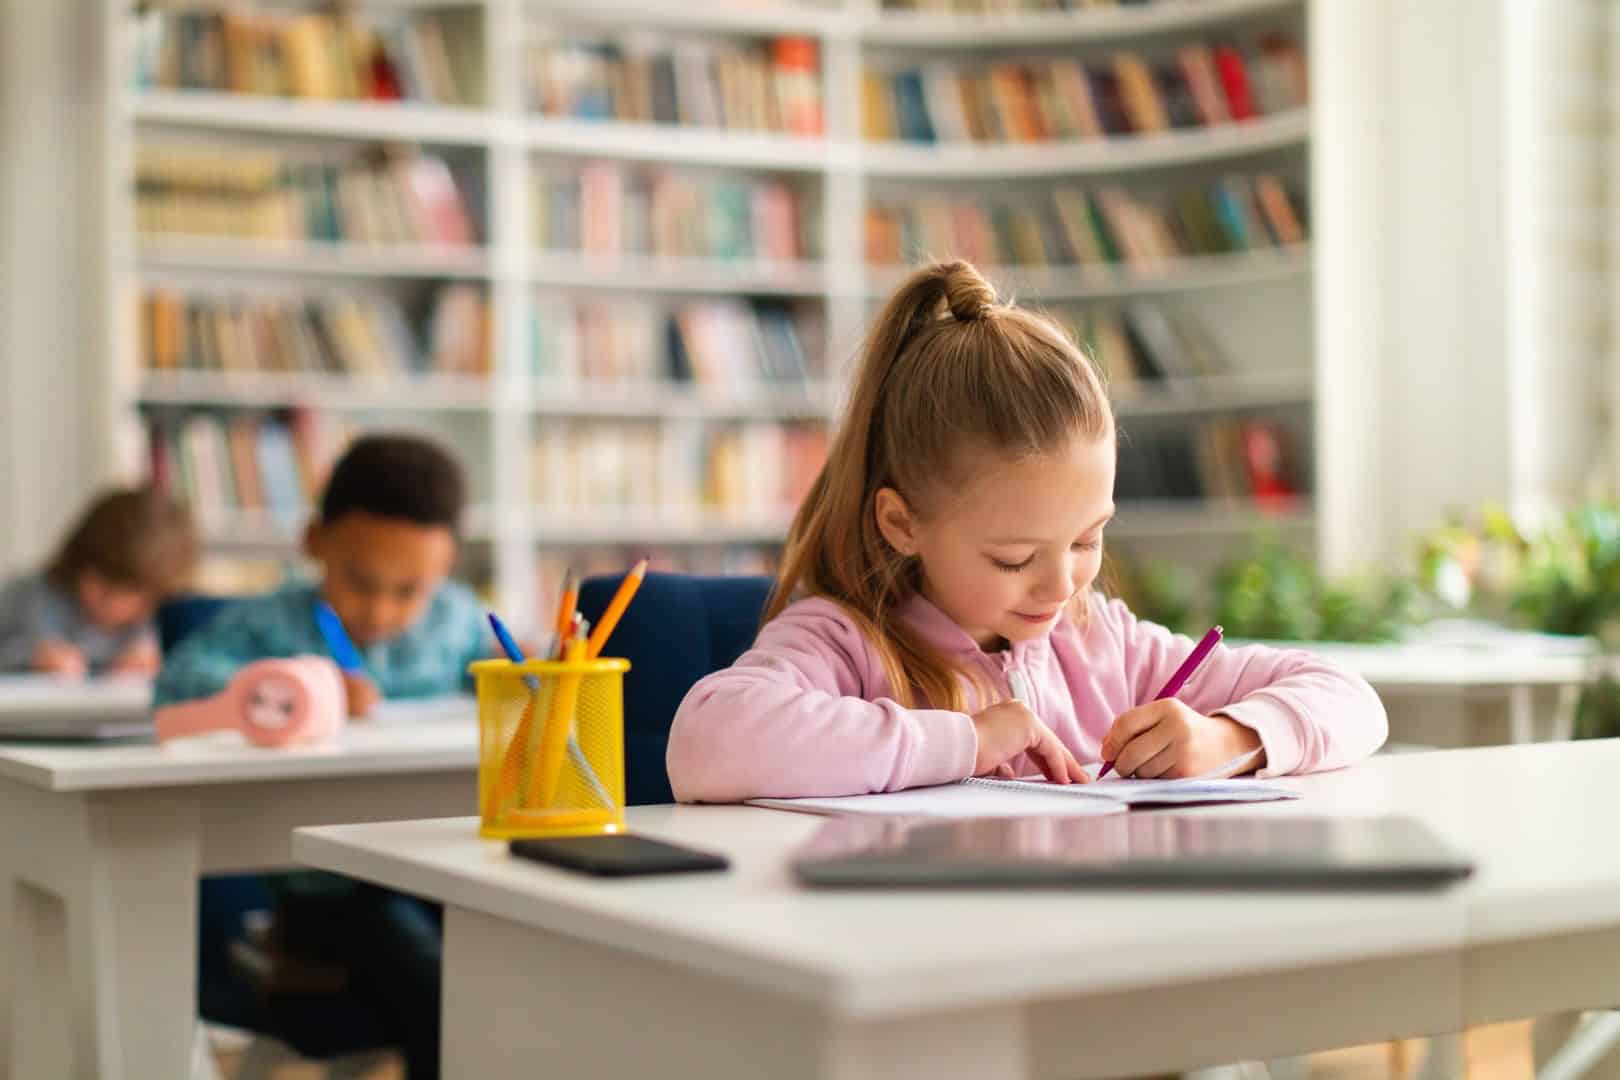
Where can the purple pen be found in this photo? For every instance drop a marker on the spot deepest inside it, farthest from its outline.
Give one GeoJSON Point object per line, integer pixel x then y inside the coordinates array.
{"type": "Point", "coordinates": [1205, 646]}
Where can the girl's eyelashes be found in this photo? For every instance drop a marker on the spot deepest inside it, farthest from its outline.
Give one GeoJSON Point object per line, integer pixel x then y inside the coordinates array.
{"type": "Point", "coordinates": [1014, 567]}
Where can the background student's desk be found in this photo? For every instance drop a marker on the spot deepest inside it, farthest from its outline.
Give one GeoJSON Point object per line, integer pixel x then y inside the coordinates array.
{"type": "Point", "coordinates": [1472, 664]}
{"type": "Point", "coordinates": [743, 974]}
{"type": "Point", "coordinates": [101, 850]}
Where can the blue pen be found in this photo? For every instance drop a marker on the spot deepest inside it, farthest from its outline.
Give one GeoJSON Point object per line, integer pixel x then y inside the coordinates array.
{"type": "Point", "coordinates": [337, 639]}
{"type": "Point", "coordinates": [509, 646]}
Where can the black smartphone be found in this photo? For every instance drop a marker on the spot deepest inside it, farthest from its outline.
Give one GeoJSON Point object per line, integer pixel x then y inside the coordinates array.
{"type": "Point", "coordinates": [618, 855]}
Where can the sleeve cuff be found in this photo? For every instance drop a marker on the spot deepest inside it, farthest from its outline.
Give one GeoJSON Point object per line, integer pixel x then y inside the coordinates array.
{"type": "Point", "coordinates": [1277, 730]}
{"type": "Point", "coordinates": [947, 748]}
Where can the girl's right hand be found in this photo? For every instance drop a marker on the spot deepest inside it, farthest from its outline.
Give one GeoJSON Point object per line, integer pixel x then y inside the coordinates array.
{"type": "Point", "coordinates": [1009, 729]}
{"type": "Point", "coordinates": [60, 658]}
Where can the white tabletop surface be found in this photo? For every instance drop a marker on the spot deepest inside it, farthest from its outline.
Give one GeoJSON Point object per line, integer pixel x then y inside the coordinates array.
{"type": "Point", "coordinates": [1537, 818]}
{"type": "Point", "coordinates": [415, 737]}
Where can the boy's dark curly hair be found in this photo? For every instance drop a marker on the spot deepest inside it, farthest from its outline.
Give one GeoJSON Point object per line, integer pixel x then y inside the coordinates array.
{"type": "Point", "coordinates": [396, 476]}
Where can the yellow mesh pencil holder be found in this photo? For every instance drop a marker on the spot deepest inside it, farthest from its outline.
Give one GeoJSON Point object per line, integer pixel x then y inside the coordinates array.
{"type": "Point", "coordinates": [550, 747]}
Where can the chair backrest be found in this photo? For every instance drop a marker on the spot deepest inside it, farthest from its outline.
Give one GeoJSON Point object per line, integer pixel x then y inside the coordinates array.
{"type": "Point", "coordinates": [678, 630]}
{"type": "Point", "coordinates": [180, 615]}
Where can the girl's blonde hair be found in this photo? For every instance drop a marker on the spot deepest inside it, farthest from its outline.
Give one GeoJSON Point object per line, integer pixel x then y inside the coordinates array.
{"type": "Point", "coordinates": [947, 368]}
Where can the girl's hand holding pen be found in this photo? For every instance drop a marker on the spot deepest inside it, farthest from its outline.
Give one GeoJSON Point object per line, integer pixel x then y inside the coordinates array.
{"type": "Point", "coordinates": [1009, 729]}
{"type": "Point", "coordinates": [1169, 739]}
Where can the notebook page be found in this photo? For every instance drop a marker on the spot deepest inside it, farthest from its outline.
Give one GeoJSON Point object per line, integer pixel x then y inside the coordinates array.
{"type": "Point", "coordinates": [959, 800]}
{"type": "Point", "coordinates": [1149, 792]}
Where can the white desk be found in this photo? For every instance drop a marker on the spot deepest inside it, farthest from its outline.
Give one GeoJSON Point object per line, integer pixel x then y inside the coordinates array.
{"type": "Point", "coordinates": [743, 974]}
{"type": "Point", "coordinates": [1472, 661]}
{"type": "Point", "coordinates": [101, 850]}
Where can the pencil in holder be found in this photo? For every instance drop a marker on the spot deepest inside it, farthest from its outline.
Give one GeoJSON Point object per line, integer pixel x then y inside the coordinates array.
{"type": "Point", "coordinates": [550, 747]}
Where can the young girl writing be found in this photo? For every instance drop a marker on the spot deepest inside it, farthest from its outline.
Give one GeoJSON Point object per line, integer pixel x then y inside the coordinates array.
{"type": "Point", "coordinates": [90, 611]}
{"type": "Point", "coordinates": [934, 617]}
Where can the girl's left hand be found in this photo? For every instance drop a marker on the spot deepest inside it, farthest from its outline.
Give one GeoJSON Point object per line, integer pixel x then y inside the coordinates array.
{"type": "Point", "coordinates": [1170, 740]}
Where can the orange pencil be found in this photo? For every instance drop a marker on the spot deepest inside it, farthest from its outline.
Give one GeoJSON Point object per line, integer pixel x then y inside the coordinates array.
{"type": "Point", "coordinates": [615, 609]}
{"type": "Point", "coordinates": [565, 611]}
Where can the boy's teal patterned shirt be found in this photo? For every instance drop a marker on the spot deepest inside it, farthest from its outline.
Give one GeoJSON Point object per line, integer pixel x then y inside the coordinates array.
{"type": "Point", "coordinates": [428, 659]}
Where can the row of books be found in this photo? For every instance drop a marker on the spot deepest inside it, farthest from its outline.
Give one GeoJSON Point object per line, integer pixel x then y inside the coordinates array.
{"type": "Point", "coordinates": [607, 208]}
{"type": "Point", "coordinates": [750, 469]}
{"type": "Point", "coordinates": [400, 197]}
{"type": "Point", "coordinates": [1038, 100]}
{"type": "Point", "coordinates": [762, 85]}
{"type": "Point", "coordinates": [223, 462]}
{"type": "Point", "coordinates": [340, 333]}
{"type": "Point", "coordinates": [434, 58]}
{"type": "Point", "coordinates": [727, 344]}
{"type": "Point", "coordinates": [1100, 228]}
{"type": "Point", "coordinates": [1010, 7]}
{"type": "Point", "coordinates": [1219, 459]}
{"type": "Point", "coordinates": [1141, 347]}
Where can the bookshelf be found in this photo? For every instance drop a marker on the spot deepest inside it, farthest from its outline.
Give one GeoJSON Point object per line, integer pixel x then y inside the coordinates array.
{"type": "Point", "coordinates": [497, 143]}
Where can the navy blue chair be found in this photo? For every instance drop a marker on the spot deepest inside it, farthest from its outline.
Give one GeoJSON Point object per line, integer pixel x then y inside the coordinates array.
{"type": "Point", "coordinates": [677, 630]}
{"type": "Point", "coordinates": [180, 615]}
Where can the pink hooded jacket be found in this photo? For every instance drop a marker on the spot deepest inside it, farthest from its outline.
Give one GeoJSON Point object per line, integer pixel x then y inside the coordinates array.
{"type": "Point", "coordinates": [808, 710]}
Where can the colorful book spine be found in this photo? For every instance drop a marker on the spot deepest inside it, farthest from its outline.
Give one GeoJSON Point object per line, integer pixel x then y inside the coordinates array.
{"type": "Point", "coordinates": [434, 58]}
{"type": "Point", "coordinates": [342, 334]}
{"type": "Point", "coordinates": [768, 84]}
{"type": "Point", "coordinates": [1041, 99]}
{"type": "Point", "coordinates": [1089, 229]}
{"type": "Point", "coordinates": [266, 195]}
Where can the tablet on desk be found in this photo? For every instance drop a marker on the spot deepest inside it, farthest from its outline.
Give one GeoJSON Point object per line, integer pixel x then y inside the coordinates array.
{"type": "Point", "coordinates": [1157, 850]}
{"type": "Point", "coordinates": [50, 708]}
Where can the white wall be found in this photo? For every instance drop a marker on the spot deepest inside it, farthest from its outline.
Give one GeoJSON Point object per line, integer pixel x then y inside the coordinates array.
{"type": "Point", "coordinates": [1560, 71]}
{"type": "Point", "coordinates": [1463, 231]}
{"type": "Point", "coordinates": [52, 307]}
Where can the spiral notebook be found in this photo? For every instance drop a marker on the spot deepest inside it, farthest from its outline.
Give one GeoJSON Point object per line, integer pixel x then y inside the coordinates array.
{"type": "Point", "coordinates": [984, 797]}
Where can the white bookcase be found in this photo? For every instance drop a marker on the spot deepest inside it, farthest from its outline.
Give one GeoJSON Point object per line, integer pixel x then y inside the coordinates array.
{"type": "Point", "coordinates": [507, 407]}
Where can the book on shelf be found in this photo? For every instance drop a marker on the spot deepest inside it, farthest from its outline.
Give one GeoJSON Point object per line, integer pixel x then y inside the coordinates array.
{"type": "Point", "coordinates": [222, 463]}
{"type": "Point", "coordinates": [1012, 7]}
{"type": "Point", "coordinates": [730, 346]}
{"type": "Point", "coordinates": [1090, 229]}
{"type": "Point", "coordinates": [393, 197]}
{"type": "Point", "coordinates": [1249, 460]}
{"type": "Point", "coordinates": [1143, 347]}
{"type": "Point", "coordinates": [1044, 99]}
{"type": "Point", "coordinates": [609, 208]}
{"type": "Point", "coordinates": [432, 58]}
{"type": "Point", "coordinates": [342, 333]}
{"type": "Point", "coordinates": [676, 471]}
{"type": "Point", "coordinates": [767, 84]}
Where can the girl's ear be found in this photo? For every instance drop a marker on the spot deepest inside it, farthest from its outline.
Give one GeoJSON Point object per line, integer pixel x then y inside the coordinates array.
{"type": "Point", "coordinates": [896, 521]}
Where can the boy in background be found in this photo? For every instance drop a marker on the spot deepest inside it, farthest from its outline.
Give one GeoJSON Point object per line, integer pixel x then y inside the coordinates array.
{"type": "Point", "coordinates": [385, 540]}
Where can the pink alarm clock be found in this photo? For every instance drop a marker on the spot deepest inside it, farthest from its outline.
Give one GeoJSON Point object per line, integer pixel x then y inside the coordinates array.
{"type": "Point", "coordinates": [284, 702]}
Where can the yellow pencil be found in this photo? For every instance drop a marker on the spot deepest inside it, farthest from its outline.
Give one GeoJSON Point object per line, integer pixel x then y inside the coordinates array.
{"type": "Point", "coordinates": [559, 726]}
{"type": "Point", "coordinates": [615, 609]}
{"type": "Point", "coordinates": [565, 610]}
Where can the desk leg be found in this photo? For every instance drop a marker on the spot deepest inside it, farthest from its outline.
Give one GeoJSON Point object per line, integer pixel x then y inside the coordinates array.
{"type": "Point", "coordinates": [516, 997]}
{"type": "Point", "coordinates": [104, 919]}
{"type": "Point", "coordinates": [1522, 714]}
{"type": "Point", "coordinates": [1569, 700]}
